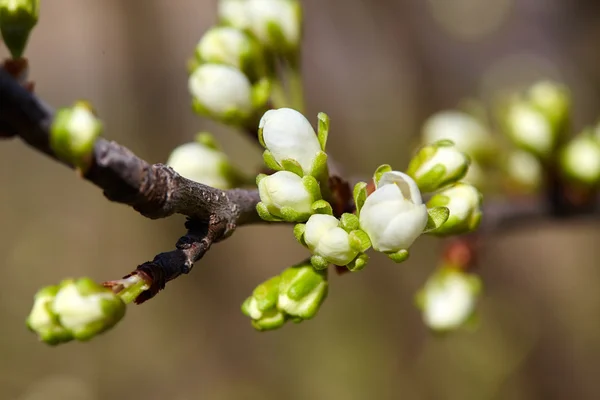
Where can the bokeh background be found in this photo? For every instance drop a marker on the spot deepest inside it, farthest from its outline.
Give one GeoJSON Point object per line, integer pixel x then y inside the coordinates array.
{"type": "Point", "coordinates": [379, 68]}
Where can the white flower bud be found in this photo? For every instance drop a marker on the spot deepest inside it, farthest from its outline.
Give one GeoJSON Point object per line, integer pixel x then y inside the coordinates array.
{"type": "Point", "coordinates": [448, 299]}
{"type": "Point", "coordinates": [287, 134]}
{"type": "Point", "coordinates": [530, 129]}
{"type": "Point", "coordinates": [466, 132]}
{"type": "Point", "coordinates": [553, 100]}
{"type": "Point", "coordinates": [86, 309]}
{"type": "Point", "coordinates": [43, 321]}
{"type": "Point", "coordinates": [230, 46]}
{"type": "Point", "coordinates": [524, 169]}
{"type": "Point", "coordinates": [464, 203]}
{"type": "Point", "coordinates": [285, 191]}
{"type": "Point", "coordinates": [202, 164]}
{"type": "Point", "coordinates": [276, 23]}
{"type": "Point", "coordinates": [394, 215]}
{"type": "Point", "coordinates": [221, 91]}
{"type": "Point", "coordinates": [438, 165]}
{"type": "Point", "coordinates": [234, 13]}
{"type": "Point", "coordinates": [324, 237]}
{"type": "Point", "coordinates": [580, 159]}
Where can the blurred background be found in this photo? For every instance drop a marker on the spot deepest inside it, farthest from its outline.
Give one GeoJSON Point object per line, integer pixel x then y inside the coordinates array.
{"type": "Point", "coordinates": [378, 68]}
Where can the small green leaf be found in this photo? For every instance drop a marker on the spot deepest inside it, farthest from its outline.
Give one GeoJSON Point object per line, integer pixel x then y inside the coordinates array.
{"type": "Point", "coordinates": [382, 169]}
{"type": "Point", "coordinates": [360, 240]}
{"type": "Point", "coordinates": [319, 167]}
{"type": "Point", "coordinates": [270, 161]}
{"type": "Point", "coordinates": [349, 222]}
{"type": "Point", "coordinates": [360, 196]}
{"type": "Point", "coordinates": [299, 230]}
{"type": "Point", "coordinates": [399, 256]}
{"type": "Point", "coordinates": [263, 213]}
{"type": "Point", "coordinates": [312, 186]}
{"type": "Point", "coordinates": [322, 207]}
{"type": "Point", "coordinates": [292, 166]}
{"type": "Point", "coordinates": [323, 129]}
{"type": "Point", "coordinates": [319, 262]}
{"type": "Point", "coordinates": [260, 177]}
{"type": "Point", "coordinates": [261, 91]}
{"type": "Point", "coordinates": [436, 218]}
{"type": "Point", "coordinates": [359, 263]}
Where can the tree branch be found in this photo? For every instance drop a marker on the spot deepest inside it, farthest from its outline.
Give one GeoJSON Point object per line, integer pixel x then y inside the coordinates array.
{"type": "Point", "coordinates": [154, 190]}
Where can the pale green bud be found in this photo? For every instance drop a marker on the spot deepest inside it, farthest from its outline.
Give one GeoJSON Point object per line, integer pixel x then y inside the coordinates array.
{"type": "Point", "coordinates": [553, 100]}
{"type": "Point", "coordinates": [17, 19]}
{"type": "Point", "coordinates": [287, 196]}
{"type": "Point", "coordinates": [262, 306]}
{"type": "Point", "coordinates": [204, 164]}
{"type": "Point", "coordinates": [464, 203]}
{"type": "Point", "coordinates": [394, 215]}
{"type": "Point", "coordinates": [448, 299]}
{"type": "Point", "coordinates": [276, 23]}
{"type": "Point", "coordinates": [234, 13]}
{"type": "Point", "coordinates": [524, 169]}
{"type": "Point", "coordinates": [73, 134]}
{"type": "Point", "coordinates": [231, 46]}
{"type": "Point", "coordinates": [86, 309]}
{"type": "Point", "coordinates": [530, 129]}
{"type": "Point", "coordinates": [302, 290]}
{"type": "Point", "coordinates": [43, 321]}
{"type": "Point", "coordinates": [580, 159]}
{"type": "Point", "coordinates": [437, 165]}
{"type": "Point", "coordinates": [221, 92]}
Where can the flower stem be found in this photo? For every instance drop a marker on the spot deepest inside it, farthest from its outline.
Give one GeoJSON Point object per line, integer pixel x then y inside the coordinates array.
{"type": "Point", "coordinates": [128, 289]}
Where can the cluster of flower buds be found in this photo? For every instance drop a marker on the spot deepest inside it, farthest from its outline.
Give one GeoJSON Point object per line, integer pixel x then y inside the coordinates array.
{"type": "Point", "coordinates": [233, 70]}
{"type": "Point", "coordinates": [448, 299]}
{"type": "Point", "coordinates": [203, 161]}
{"type": "Point", "coordinates": [17, 19]}
{"type": "Point", "coordinates": [296, 295]}
{"type": "Point", "coordinates": [536, 120]}
{"type": "Point", "coordinates": [75, 309]}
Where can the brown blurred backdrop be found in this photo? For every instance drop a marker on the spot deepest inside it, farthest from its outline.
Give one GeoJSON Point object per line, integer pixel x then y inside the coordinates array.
{"type": "Point", "coordinates": [378, 67]}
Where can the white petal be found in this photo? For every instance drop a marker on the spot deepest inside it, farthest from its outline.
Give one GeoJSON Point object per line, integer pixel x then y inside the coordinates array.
{"type": "Point", "coordinates": [403, 229]}
{"type": "Point", "coordinates": [467, 133]}
{"type": "Point", "coordinates": [285, 189]}
{"type": "Point", "coordinates": [449, 302]}
{"type": "Point", "coordinates": [200, 163]}
{"type": "Point", "coordinates": [407, 185]}
{"type": "Point", "coordinates": [335, 247]}
{"type": "Point", "coordinates": [317, 226]}
{"type": "Point", "coordinates": [448, 156]}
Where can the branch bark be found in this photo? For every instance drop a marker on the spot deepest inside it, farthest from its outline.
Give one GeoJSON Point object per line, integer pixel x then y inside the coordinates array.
{"type": "Point", "coordinates": [154, 190]}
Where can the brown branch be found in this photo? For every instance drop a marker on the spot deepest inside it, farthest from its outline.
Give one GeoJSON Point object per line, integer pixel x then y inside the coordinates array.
{"type": "Point", "coordinates": [154, 190]}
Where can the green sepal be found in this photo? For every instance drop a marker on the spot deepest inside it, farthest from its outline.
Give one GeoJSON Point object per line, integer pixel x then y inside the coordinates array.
{"type": "Point", "coordinates": [436, 218]}
{"type": "Point", "coordinates": [208, 140]}
{"type": "Point", "coordinates": [271, 320]}
{"type": "Point", "coordinates": [299, 230]}
{"type": "Point", "coordinates": [260, 177]}
{"type": "Point", "coordinates": [319, 167]}
{"type": "Point", "coordinates": [270, 161]}
{"type": "Point", "coordinates": [359, 263]}
{"type": "Point", "coordinates": [382, 169]}
{"type": "Point", "coordinates": [312, 186]}
{"type": "Point", "coordinates": [323, 129]}
{"type": "Point", "coordinates": [349, 222]}
{"type": "Point", "coordinates": [359, 240]}
{"type": "Point", "coordinates": [322, 207]}
{"type": "Point", "coordinates": [292, 166]}
{"type": "Point", "coordinates": [246, 306]}
{"type": "Point", "coordinates": [264, 214]}
{"type": "Point", "coordinates": [266, 294]}
{"type": "Point", "coordinates": [422, 155]}
{"type": "Point", "coordinates": [319, 262]}
{"type": "Point", "coordinates": [360, 196]}
{"type": "Point", "coordinates": [432, 179]}
{"type": "Point", "coordinates": [474, 221]}
{"type": "Point", "coordinates": [399, 256]}
{"type": "Point", "coordinates": [289, 214]}
{"type": "Point", "coordinates": [260, 93]}
{"type": "Point", "coordinates": [261, 139]}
